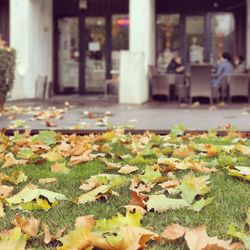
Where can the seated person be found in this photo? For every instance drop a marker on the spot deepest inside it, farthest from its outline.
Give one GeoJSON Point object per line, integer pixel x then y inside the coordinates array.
{"type": "Point", "coordinates": [225, 67]}
{"type": "Point", "coordinates": [176, 66]}
{"type": "Point", "coordinates": [240, 64]}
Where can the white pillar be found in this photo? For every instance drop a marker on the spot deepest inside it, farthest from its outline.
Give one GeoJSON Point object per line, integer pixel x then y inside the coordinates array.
{"type": "Point", "coordinates": [31, 23]}
{"type": "Point", "coordinates": [248, 34]}
{"type": "Point", "coordinates": [142, 29]}
{"type": "Point", "coordinates": [134, 84]}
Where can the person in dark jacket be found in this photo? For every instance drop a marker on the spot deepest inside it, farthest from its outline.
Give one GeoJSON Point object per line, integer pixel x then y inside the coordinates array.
{"type": "Point", "coordinates": [176, 65]}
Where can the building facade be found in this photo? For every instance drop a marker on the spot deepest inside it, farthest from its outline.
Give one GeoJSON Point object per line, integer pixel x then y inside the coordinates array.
{"type": "Point", "coordinates": [78, 43]}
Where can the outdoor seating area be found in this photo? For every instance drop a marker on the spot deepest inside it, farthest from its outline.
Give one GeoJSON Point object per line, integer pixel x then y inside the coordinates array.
{"type": "Point", "coordinates": [196, 83]}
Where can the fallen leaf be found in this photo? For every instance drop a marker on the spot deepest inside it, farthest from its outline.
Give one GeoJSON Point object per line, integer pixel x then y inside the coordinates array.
{"type": "Point", "coordinates": [137, 199]}
{"type": "Point", "coordinates": [170, 184]}
{"type": "Point", "coordinates": [197, 239]}
{"type": "Point", "coordinates": [127, 169]}
{"type": "Point", "coordinates": [160, 203]}
{"type": "Point", "coordinates": [6, 191]}
{"type": "Point", "coordinates": [134, 208]}
{"type": "Point", "coordinates": [173, 232]}
{"type": "Point", "coordinates": [47, 180]}
{"type": "Point", "coordinates": [48, 237]}
{"type": "Point", "coordinates": [2, 213]}
{"type": "Point", "coordinates": [75, 160]}
{"type": "Point", "coordinates": [16, 177]}
{"type": "Point", "coordinates": [30, 225]}
{"type": "Point", "coordinates": [10, 161]}
{"type": "Point", "coordinates": [198, 205]}
{"type": "Point", "coordinates": [85, 221]}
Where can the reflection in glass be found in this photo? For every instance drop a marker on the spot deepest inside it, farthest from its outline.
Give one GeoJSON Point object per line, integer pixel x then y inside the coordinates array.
{"type": "Point", "coordinates": [222, 32]}
{"type": "Point", "coordinates": [95, 54]}
{"type": "Point", "coordinates": [68, 53]}
{"type": "Point", "coordinates": [195, 38]}
{"type": "Point", "coordinates": [120, 36]}
{"type": "Point", "coordinates": [168, 34]}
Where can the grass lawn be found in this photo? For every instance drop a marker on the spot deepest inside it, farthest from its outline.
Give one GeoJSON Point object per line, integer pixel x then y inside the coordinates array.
{"type": "Point", "coordinates": [169, 158]}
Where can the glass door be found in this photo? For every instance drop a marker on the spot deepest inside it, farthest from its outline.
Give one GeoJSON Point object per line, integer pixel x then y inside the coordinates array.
{"type": "Point", "coordinates": [95, 54]}
{"type": "Point", "coordinates": [68, 55]}
{"type": "Point", "coordinates": [195, 42]}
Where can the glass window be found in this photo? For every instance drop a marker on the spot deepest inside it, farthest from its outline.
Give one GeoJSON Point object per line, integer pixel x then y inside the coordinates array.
{"type": "Point", "coordinates": [195, 38]}
{"type": "Point", "coordinates": [222, 26]}
{"type": "Point", "coordinates": [68, 53]}
{"type": "Point", "coordinates": [95, 70]}
{"type": "Point", "coordinates": [120, 38]}
{"type": "Point", "coordinates": [168, 33]}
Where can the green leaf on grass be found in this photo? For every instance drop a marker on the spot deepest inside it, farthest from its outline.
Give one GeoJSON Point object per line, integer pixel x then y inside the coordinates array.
{"type": "Point", "coordinates": [192, 186]}
{"type": "Point", "coordinates": [161, 203]}
{"type": "Point", "coordinates": [150, 175]}
{"type": "Point", "coordinates": [198, 205]}
{"type": "Point", "coordinates": [46, 137]}
{"type": "Point", "coordinates": [245, 237]}
{"type": "Point", "coordinates": [130, 219]}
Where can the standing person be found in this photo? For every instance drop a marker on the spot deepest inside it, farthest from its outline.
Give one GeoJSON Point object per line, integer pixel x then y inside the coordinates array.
{"type": "Point", "coordinates": [225, 67]}
{"type": "Point", "coordinates": [176, 65]}
{"type": "Point", "coordinates": [240, 64]}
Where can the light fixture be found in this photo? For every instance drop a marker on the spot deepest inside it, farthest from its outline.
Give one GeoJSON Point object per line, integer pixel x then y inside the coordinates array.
{"type": "Point", "coordinates": [83, 5]}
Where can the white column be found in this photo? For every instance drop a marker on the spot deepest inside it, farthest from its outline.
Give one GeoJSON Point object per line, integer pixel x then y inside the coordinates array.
{"type": "Point", "coordinates": [142, 29]}
{"type": "Point", "coordinates": [248, 34]}
{"type": "Point", "coordinates": [31, 23]}
{"type": "Point", "coordinates": [134, 84]}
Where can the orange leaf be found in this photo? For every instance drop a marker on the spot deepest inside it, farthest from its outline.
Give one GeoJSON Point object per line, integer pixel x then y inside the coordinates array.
{"type": "Point", "coordinates": [127, 169]}
{"type": "Point", "coordinates": [197, 239]}
{"type": "Point", "coordinates": [5, 191]}
{"type": "Point", "coordinates": [85, 221]}
{"type": "Point", "coordinates": [29, 225]}
{"type": "Point", "coordinates": [11, 161]}
{"type": "Point", "coordinates": [173, 232]}
{"type": "Point", "coordinates": [170, 184]}
{"type": "Point", "coordinates": [137, 199]}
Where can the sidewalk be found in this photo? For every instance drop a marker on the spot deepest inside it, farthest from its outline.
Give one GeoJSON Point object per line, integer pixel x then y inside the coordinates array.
{"type": "Point", "coordinates": [87, 112]}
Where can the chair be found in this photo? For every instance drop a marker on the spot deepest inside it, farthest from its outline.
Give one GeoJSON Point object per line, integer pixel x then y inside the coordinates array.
{"type": "Point", "coordinates": [111, 86]}
{"type": "Point", "coordinates": [40, 88]}
{"type": "Point", "coordinates": [160, 85]}
{"type": "Point", "coordinates": [238, 85]}
{"type": "Point", "coordinates": [200, 82]}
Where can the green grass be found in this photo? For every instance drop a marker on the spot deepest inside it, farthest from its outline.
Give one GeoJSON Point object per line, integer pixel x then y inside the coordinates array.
{"type": "Point", "coordinates": [231, 195]}
{"type": "Point", "coordinates": [231, 199]}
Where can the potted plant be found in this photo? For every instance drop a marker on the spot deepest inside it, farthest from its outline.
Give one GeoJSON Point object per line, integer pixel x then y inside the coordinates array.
{"type": "Point", "coordinates": [7, 70]}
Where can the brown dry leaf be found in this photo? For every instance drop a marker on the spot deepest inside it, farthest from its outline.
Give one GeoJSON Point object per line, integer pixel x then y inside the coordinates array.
{"type": "Point", "coordinates": [80, 148]}
{"type": "Point", "coordinates": [85, 221]}
{"type": "Point", "coordinates": [40, 148]}
{"type": "Point", "coordinates": [29, 225]}
{"type": "Point", "coordinates": [133, 208]}
{"type": "Point", "coordinates": [173, 232]}
{"type": "Point", "coordinates": [6, 191]}
{"type": "Point", "coordinates": [170, 184]}
{"type": "Point", "coordinates": [2, 213]}
{"type": "Point", "coordinates": [182, 152]}
{"type": "Point", "coordinates": [136, 237]}
{"type": "Point", "coordinates": [90, 184]}
{"type": "Point", "coordinates": [197, 166]}
{"type": "Point", "coordinates": [111, 165]}
{"type": "Point", "coordinates": [137, 199]}
{"type": "Point", "coordinates": [31, 186]}
{"type": "Point", "coordinates": [48, 237]}
{"type": "Point", "coordinates": [11, 161]}
{"type": "Point", "coordinates": [197, 239]}
{"type": "Point", "coordinates": [49, 123]}
{"type": "Point", "coordinates": [74, 160]}
{"type": "Point", "coordinates": [139, 186]}
{"type": "Point", "coordinates": [127, 169]}
{"type": "Point", "coordinates": [47, 180]}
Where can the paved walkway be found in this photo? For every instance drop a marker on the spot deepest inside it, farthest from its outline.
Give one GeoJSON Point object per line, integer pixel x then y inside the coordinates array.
{"type": "Point", "coordinates": [90, 113]}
